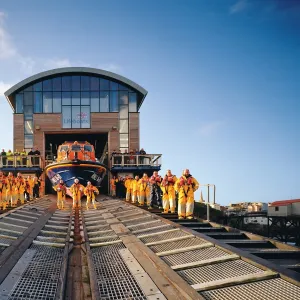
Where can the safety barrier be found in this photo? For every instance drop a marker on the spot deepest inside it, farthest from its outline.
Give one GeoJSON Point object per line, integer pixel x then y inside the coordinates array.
{"type": "Point", "coordinates": [25, 161]}
{"type": "Point", "coordinates": [128, 160]}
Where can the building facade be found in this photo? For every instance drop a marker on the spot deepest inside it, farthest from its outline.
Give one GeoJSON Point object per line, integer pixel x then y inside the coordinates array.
{"type": "Point", "coordinates": [73, 103]}
{"type": "Point", "coordinates": [284, 208]}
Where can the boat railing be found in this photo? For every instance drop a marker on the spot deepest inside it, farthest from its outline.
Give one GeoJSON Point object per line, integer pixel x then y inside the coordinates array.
{"type": "Point", "coordinates": [21, 161]}
{"type": "Point", "coordinates": [128, 160]}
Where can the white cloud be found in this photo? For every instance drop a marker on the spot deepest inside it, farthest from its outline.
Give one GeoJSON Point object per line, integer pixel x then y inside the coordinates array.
{"type": "Point", "coordinates": [210, 128]}
{"type": "Point", "coordinates": [7, 49]}
{"type": "Point", "coordinates": [57, 63]}
{"type": "Point", "coordinates": [4, 87]}
{"type": "Point", "coordinates": [239, 6]}
{"type": "Point", "coordinates": [110, 67]}
{"type": "Point", "coordinates": [27, 64]}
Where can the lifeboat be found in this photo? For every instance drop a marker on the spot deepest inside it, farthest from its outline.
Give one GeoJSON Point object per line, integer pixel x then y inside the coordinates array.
{"type": "Point", "coordinates": [76, 160]}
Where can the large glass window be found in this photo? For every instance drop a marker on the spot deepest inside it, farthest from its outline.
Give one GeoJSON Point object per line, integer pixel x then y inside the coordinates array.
{"type": "Point", "coordinates": [57, 84]}
{"type": "Point", "coordinates": [123, 98]}
{"type": "Point", "coordinates": [47, 102]}
{"type": "Point", "coordinates": [38, 102]}
{"type": "Point", "coordinates": [123, 140]}
{"type": "Point", "coordinates": [95, 102]}
{"type": "Point", "coordinates": [85, 119]}
{"type": "Point", "coordinates": [66, 117]}
{"type": "Point", "coordinates": [28, 127]}
{"type": "Point", "coordinates": [113, 86]}
{"type": "Point", "coordinates": [66, 83]}
{"type": "Point", "coordinates": [66, 98]}
{"type": "Point", "coordinates": [94, 84]}
{"type": "Point", "coordinates": [28, 98]}
{"type": "Point", "coordinates": [104, 84]}
{"type": "Point", "coordinates": [28, 141]}
{"type": "Point", "coordinates": [47, 85]}
{"type": "Point", "coordinates": [132, 102]}
{"type": "Point", "coordinates": [37, 87]}
{"type": "Point", "coordinates": [85, 83]}
{"type": "Point", "coordinates": [123, 111]}
{"type": "Point", "coordinates": [28, 111]}
{"type": "Point", "coordinates": [75, 83]}
{"type": "Point", "coordinates": [76, 117]}
{"type": "Point", "coordinates": [19, 103]}
{"type": "Point", "coordinates": [56, 102]}
{"type": "Point", "coordinates": [75, 98]}
{"type": "Point", "coordinates": [113, 103]}
{"type": "Point", "coordinates": [104, 101]}
{"type": "Point", "coordinates": [123, 126]}
{"type": "Point", "coordinates": [85, 98]}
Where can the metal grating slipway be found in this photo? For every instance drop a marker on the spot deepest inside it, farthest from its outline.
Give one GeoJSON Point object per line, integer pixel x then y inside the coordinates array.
{"type": "Point", "coordinates": [113, 276]}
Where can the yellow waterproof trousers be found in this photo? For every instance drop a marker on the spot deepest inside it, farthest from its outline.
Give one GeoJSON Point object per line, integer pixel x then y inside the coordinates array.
{"type": "Point", "coordinates": [144, 195]}
{"type": "Point", "coordinates": [61, 200]}
{"type": "Point", "coordinates": [134, 196]}
{"type": "Point", "coordinates": [10, 197]}
{"type": "Point", "coordinates": [3, 202]}
{"type": "Point", "coordinates": [77, 200]}
{"type": "Point", "coordinates": [128, 194]}
{"type": "Point", "coordinates": [20, 196]}
{"type": "Point", "coordinates": [186, 207]}
{"type": "Point", "coordinates": [169, 199]}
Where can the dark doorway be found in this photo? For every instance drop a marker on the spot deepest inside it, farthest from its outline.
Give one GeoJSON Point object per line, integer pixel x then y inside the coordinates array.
{"type": "Point", "coordinates": [98, 140]}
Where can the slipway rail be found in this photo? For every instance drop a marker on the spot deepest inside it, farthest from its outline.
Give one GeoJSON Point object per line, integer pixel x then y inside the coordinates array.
{"type": "Point", "coordinates": [119, 251]}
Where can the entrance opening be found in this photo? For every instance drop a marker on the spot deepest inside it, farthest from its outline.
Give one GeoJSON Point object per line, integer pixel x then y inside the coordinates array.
{"type": "Point", "coordinates": [98, 140]}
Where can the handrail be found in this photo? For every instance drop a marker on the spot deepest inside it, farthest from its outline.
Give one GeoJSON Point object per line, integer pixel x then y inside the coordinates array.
{"type": "Point", "coordinates": [24, 161]}
{"type": "Point", "coordinates": [102, 158]}
{"type": "Point", "coordinates": [129, 160]}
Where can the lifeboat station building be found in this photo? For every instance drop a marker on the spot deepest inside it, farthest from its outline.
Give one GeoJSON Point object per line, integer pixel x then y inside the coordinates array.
{"type": "Point", "coordinates": [78, 104]}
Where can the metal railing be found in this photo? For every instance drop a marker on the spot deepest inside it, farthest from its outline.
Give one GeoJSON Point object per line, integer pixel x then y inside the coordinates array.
{"type": "Point", "coordinates": [21, 161]}
{"type": "Point", "coordinates": [127, 160]}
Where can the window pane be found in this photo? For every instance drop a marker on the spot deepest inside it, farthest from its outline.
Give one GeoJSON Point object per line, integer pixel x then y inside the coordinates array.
{"type": "Point", "coordinates": [66, 98]}
{"type": "Point", "coordinates": [57, 102]}
{"type": "Point", "coordinates": [113, 86]}
{"type": "Point", "coordinates": [104, 84]}
{"type": "Point", "coordinates": [123, 126]}
{"type": "Point", "coordinates": [66, 117]}
{"type": "Point", "coordinates": [28, 89]}
{"type": "Point", "coordinates": [28, 127]}
{"type": "Point", "coordinates": [124, 140]}
{"type": "Point", "coordinates": [28, 141]}
{"type": "Point", "coordinates": [38, 102]}
{"type": "Point", "coordinates": [75, 116]}
{"type": "Point", "coordinates": [75, 83]}
{"type": "Point", "coordinates": [104, 101]}
{"type": "Point", "coordinates": [66, 83]}
{"type": "Point", "coordinates": [47, 102]}
{"type": "Point", "coordinates": [113, 104]}
{"type": "Point", "coordinates": [123, 111]}
{"type": "Point", "coordinates": [123, 98]}
{"type": "Point", "coordinates": [85, 83]}
{"type": "Point", "coordinates": [94, 101]}
{"type": "Point", "coordinates": [132, 102]}
{"type": "Point", "coordinates": [57, 84]}
{"type": "Point", "coordinates": [37, 87]}
{"type": "Point", "coordinates": [28, 111]}
{"type": "Point", "coordinates": [28, 98]}
{"type": "Point", "coordinates": [94, 84]}
{"type": "Point", "coordinates": [85, 118]}
{"type": "Point", "coordinates": [47, 85]}
{"type": "Point", "coordinates": [19, 103]}
{"type": "Point", "coordinates": [75, 98]}
{"type": "Point", "coordinates": [85, 98]}
{"type": "Point", "coordinates": [123, 87]}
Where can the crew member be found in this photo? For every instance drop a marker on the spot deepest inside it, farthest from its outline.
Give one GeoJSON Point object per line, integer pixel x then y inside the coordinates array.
{"type": "Point", "coordinates": [127, 184]}
{"type": "Point", "coordinates": [30, 183]}
{"type": "Point", "coordinates": [19, 189]}
{"type": "Point", "coordinates": [155, 195]}
{"type": "Point", "coordinates": [90, 191]}
{"type": "Point", "coordinates": [76, 190]}
{"type": "Point", "coordinates": [186, 185]}
{"type": "Point", "coordinates": [135, 189]}
{"type": "Point", "coordinates": [10, 188]}
{"type": "Point", "coordinates": [10, 158]}
{"type": "Point", "coordinates": [36, 187]}
{"type": "Point", "coordinates": [168, 189]}
{"type": "Point", "coordinates": [61, 190]}
{"type": "Point", "coordinates": [2, 191]}
{"type": "Point", "coordinates": [113, 186]}
{"type": "Point", "coordinates": [24, 158]}
{"type": "Point", "coordinates": [144, 190]}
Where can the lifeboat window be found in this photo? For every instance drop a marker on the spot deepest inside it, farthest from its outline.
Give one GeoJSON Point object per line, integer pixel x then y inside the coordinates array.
{"type": "Point", "coordinates": [76, 147]}
{"type": "Point", "coordinates": [88, 148]}
{"type": "Point", "coordinates": [64, 148]}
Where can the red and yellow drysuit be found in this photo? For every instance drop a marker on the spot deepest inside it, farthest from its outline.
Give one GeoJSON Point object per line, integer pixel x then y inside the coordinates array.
{"type": "Point", "coordinates": [127, 184]}
{"type": "Point", "coordinates": [186, 186]}
{"type": "Point", "coordinates": [61, 195]}
{"type": "Point", "coordinates": [2, 193]}
{"type": "Point", "coordinates": [10, 189]}
{"type": "Point", "coordinates": [90, 192]}
{"type": "Point", "coordinates": [134, 190]}
{"type": "Point", "coordinates": [113, 186]}
{"type": "Point", "coordinates": [144, 190]}
{"type": "Point", "coordinates": [168, 189]}
{"type": "Point", "coordinates": [19, 190]}
{"type": "Point", "coordinates": [76, 190]}
{"type": "Point", "coordinates": [30, 181]}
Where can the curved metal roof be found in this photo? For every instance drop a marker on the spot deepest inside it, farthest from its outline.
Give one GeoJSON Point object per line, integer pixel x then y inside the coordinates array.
{"type": "Point", "coordinates": [60, 71]}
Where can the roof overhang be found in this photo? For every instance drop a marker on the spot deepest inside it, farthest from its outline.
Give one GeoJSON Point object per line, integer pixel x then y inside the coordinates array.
{"type": "Point", "coordinates": [74, 70]}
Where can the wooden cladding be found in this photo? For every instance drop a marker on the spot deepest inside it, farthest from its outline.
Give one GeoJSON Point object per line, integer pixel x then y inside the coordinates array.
{"type": "Point", "coordinates": [19, 138]}
{"type": "Point", "coordinates": [134, 131]}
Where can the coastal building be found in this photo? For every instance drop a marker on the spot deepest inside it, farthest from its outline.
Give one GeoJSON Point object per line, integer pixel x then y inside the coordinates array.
{"type": "Point", "coordinates": [284, 208]}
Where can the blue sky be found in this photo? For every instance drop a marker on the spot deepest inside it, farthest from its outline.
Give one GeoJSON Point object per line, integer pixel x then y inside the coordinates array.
{"type": "Point", "coordinates": [223, 78]}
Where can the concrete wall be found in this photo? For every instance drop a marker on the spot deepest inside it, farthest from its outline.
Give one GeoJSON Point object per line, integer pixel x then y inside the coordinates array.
{"type": "Point", "coordinates": [296, 208]}
{"type": "Point", "coordinates": [284, 210]}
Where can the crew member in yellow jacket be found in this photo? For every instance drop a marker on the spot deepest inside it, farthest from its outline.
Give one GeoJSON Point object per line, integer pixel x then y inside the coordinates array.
{"type": "Point", "coordinates": [76, 190]}
{"type": "Point", "coordinates": [135, 189]}
{"type": "Point", "coordinates": [61, 190]}
{"type": "Point", "coordinates": [30, 181]}
{"type": "Point", "coordinates": [168, 188]}
{"type": "Point", "coordinates": [19, 189]}
{"type": "Point", "coordinates": [2, 191]}
{"type": "Point", "coordinates": [90, 191]}
{"type": "Point", "coordinates": [144, 190]}
{"type": "Point", "coordinates": [186, 185]}
{"type": "Point", "coordinates": [10, 188]}
{"type": "Point", "coordinates": [127, 184]}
